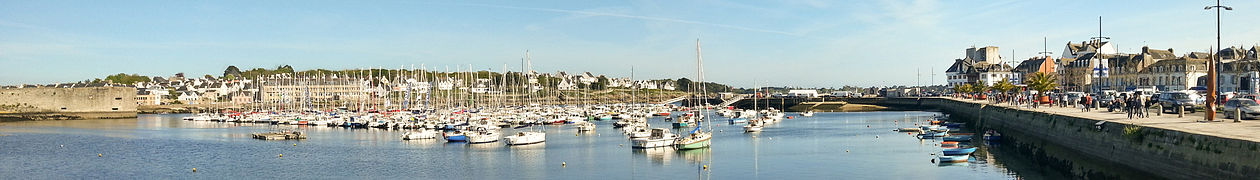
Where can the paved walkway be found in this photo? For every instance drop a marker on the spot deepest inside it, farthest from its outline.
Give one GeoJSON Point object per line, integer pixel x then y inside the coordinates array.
{"type": "Point", "coordinates": [1248, 130]}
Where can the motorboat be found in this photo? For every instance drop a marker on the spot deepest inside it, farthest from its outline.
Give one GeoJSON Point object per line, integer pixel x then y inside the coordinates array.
{"type": "Point", "coordinates": [414, 135]}
{"type": "Point", "coordinates": [658, 137]}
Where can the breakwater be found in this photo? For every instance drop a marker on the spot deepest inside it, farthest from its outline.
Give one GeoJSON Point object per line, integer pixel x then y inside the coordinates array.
{"type": "Point", "coordinates": [67, 103]}
{"type": "Point", "coordinates": [1168, 153]}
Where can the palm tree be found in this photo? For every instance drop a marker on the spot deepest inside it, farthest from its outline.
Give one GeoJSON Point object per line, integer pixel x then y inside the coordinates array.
{"type": "Point", "coordinates": [1003, 86]}
{"type": "Point", "coordinates": [1041, 82]}
{"type": "Point", "coordinates": [963, 89]}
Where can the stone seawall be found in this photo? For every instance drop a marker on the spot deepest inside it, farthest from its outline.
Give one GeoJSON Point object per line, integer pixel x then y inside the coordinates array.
{"type": "Point", "coordinates": [1162, 152]}
{"type": "Point", "coordinates": [67, 103]}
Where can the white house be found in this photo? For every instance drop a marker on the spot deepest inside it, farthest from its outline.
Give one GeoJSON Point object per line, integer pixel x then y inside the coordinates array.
{"type": "Point", "coordinates": [189, 97]}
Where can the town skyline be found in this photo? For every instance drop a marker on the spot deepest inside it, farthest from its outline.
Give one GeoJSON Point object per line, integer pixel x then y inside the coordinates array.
{"type": "Point", "coordinates": [809, 44]}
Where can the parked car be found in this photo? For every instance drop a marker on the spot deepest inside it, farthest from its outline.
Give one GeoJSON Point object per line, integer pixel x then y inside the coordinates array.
{"type": "Point", "coordinates": [1253, 97]}
{"type": "Point", "coordinates": [1172, 100]}
{"type": "Point", "coordinates": [1249, 108]}
{"type": "Point", "coordinates": [1074, 97]}
{"type": "Point", "coordinates": [1105, 100]}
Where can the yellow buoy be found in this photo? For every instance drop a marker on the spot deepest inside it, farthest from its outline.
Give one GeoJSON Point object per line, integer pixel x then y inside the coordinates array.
{"type": "Point", "coordinates": [706, 167]}
{"type": "Point", "coordinates": [294, 144]}
{"type": "Point", "coordinates": [281, 155]}
{"type": "Point", "coordinates": [562, 164]}
{"type": "Point", "coordinates": [99, 155]}
{"type": "Point", "coordinates": [194, 169]}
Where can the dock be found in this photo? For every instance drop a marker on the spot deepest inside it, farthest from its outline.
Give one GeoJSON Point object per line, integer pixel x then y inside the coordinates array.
{"type": "Point", "coordinates": [284, 135]}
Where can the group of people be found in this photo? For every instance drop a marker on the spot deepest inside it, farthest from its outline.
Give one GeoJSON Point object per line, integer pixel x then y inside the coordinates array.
{"type": "Point", "coordinates": [1133, 106]}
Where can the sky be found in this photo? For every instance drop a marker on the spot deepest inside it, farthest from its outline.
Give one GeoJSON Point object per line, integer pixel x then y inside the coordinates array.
{"type": "Point", "coordinates": [795, 43]}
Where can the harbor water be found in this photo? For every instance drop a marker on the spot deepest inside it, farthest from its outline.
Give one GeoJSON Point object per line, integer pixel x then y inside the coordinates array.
{"type": "Point", "coordinates": [825, 146]}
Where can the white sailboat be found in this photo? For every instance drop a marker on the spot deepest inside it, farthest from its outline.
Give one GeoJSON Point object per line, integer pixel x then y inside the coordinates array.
{"type": "Point", "coordinates": [698, 138]}
{"type": "Point", "coordinates": [526, 137]}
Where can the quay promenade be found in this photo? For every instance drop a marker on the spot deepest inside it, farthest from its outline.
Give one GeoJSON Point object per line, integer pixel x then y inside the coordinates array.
{"type": "Point", "coordinates": [1248, 130]}
{"type": "Point", "coordinates": [1163, 145]}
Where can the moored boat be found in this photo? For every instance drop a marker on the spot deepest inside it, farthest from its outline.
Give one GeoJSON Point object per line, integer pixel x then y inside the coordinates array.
{"type": "Point", "coordinates": [659, 137]}
{"type": "Point", "coordinates": [455, 136]}
{"type": "Point", "coordinates": [523, 138]}
{"type": "Point", "coordinates": [958, 151]}
{"type": "Point", "coordinates": [414, 135]}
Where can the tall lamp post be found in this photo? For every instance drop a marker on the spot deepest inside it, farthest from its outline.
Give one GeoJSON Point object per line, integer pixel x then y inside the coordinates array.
{"type": "Point", "coordinates": [1212, 69]}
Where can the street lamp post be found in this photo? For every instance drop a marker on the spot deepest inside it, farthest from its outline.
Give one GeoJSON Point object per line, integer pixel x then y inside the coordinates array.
{"type": "Point", "coordinates": [1210, 112]}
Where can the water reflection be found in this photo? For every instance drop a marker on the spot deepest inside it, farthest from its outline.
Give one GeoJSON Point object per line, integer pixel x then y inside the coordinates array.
{"type": "Point", "coordinates": [696, 156]}
{"type": "Point", "coordinates": [802, 148]}
{"type": "Point", "coordinates": [658, 156]}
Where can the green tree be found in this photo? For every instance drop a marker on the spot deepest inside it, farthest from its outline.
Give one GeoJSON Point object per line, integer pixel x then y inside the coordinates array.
{"type": "Point", "coordinates": [122, 78]}
{"type": "Point", "coordinates": [231, 71]}
{"type": "Point", "coordinates": [684, 84]}
{"type": "Point", "coordinates": [600, 84]}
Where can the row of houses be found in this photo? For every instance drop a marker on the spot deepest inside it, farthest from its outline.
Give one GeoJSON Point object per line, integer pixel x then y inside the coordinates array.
{"type": "Point", "coordinates": [284, 88]}
{"type": "Point", "coordinates": [1096, 65]}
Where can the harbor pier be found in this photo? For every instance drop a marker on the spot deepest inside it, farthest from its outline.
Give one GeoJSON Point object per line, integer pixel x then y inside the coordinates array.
{"type": "Point", "coordinates": [1164, 146]}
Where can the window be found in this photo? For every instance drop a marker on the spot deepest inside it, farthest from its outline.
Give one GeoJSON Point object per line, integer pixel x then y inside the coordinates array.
{"type": "Point", "coordinates": [114, 108]}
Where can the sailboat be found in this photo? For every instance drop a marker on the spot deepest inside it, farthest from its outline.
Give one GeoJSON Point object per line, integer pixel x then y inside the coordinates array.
{"type": "Point", "coordinates": [526, 137]}
{"type": "Point", "coordinates": [697, 138]}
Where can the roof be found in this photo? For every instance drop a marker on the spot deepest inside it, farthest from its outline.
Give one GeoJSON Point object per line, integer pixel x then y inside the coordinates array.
{"type": "Point", "coordinates": [959, 66]}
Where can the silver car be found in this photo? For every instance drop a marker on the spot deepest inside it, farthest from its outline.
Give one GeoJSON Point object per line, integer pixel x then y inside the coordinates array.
{"type": "Point", "coordinates": [1249, 108]}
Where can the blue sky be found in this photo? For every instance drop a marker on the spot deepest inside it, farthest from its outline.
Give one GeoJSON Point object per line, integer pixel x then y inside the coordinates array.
{"type": "Point", "coordinates": [802, 43]}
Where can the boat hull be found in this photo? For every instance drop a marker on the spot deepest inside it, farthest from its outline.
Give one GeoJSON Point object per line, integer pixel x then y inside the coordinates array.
{"type": "Point", "coordinates": [457, 138]}
{"type": "Point", "coordinates": [958, 151]}
{"type": "Point", "coordinates": [694, 145]}
{"type": "Point", "coordinates": [651, 143]}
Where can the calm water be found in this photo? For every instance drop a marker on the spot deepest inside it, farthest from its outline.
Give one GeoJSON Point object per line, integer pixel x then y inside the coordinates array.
{"type": "Point", "coordinates": [827, 146]}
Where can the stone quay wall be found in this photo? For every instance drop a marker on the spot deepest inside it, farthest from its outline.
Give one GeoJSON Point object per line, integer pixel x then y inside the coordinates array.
{"type": "Point", "coordinates": [67, 103]}
{"type": "Point", "coordinates": [1162, 152]}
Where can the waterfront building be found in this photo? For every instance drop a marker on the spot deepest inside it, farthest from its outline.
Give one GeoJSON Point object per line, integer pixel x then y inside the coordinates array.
{"type": "Point", "coordinates": [1239, 73]}
{"type": "Point", "coordinates": [982, 65]}
{"type": "Point", "coordinates": [1084, 64]}
{"type": "Point", "coordinates": [1174, 74]}
{"type": "Point", "coordinates": [145, 97]}
{"type": "Point", "coordinates": [317, 90]}
{"type": "Point", "coordinates": [1075, 50]}
{"type": "Point", "coordinates": [1127, 72]}
{"type": "Point", "coordinates": [810, 93]}
{"type": "Point", "coordinates": [1027, 68]}
{"type": "Point", "coordinates": [189, 97]}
